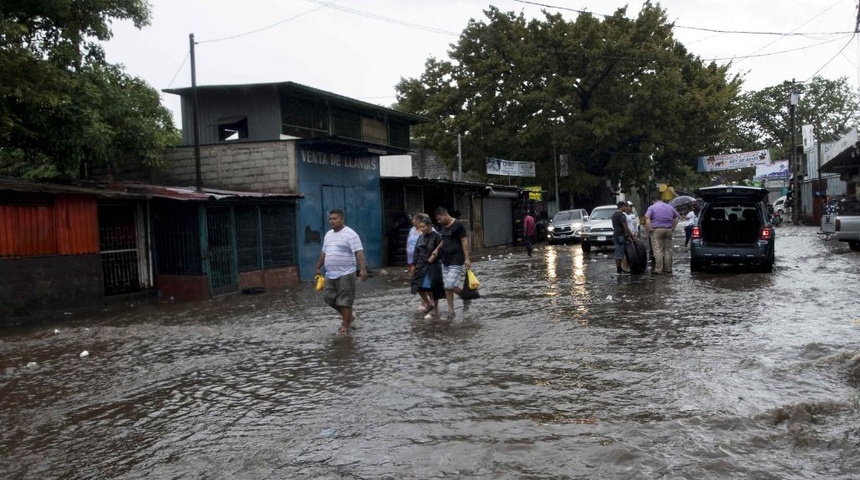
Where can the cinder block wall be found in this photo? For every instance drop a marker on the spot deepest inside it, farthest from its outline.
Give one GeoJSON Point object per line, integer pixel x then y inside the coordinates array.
{"type": "Point", "coordinates": [268, 167]}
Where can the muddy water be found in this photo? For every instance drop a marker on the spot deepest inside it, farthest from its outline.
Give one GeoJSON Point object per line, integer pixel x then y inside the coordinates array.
{"type": "Point", "coordinates": [561, 370]}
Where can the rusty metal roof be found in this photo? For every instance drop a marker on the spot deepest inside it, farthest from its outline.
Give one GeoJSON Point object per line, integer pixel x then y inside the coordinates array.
{"type": "Point", "coordinates": [133, 190]}
{"type": "Point", "coordinates": [191, 193]}
{"type": "Point", "coordinates": [56, 187]}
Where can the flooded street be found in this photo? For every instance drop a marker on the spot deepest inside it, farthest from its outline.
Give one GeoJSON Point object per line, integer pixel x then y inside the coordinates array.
{"type": "Point", "coordinates": [561, 370]}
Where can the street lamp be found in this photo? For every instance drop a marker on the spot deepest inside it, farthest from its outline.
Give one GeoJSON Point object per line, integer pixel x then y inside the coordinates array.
{"type": "Point", "coordinates": [795, 170]}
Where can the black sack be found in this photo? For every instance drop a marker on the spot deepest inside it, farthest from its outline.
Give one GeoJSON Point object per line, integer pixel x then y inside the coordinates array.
{"type": "Point", "coordinates": [468, 293]}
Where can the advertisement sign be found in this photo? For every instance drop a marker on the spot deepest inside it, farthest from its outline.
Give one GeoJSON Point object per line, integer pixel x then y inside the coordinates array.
{"type": "Point", "coordinates": [498, 166]}
{"type": "Point", "coordinates": [534, 193]}
{"type": "Point", "coordinates": [731, 161]}
{"type": "Point", "coordinates": [776, 170]}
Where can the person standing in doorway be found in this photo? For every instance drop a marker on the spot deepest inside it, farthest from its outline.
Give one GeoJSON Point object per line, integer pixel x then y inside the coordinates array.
{"type": "Point", "coordinates": [341, 252]}
{"type": "Point", "coordinates": [621, 234]}
{"type": "Point", "coordinates": [529, 231]}
{"type": "Point", "coordinates": [454, 257]}
{"type": "Point", "coordinates": [660, 221]}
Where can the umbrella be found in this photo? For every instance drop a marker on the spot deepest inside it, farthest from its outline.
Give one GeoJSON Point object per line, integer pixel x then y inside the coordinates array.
{"type": "Point", "coordinates": [681, 200]}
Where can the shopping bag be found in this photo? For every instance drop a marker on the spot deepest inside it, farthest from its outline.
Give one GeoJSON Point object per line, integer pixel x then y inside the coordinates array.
{"type": "Point", "coordinates": [320, 282]}
{"type": "Point", "coordinates": [468, 293]}
{"type": "Point", "coordinates": [474, 284]}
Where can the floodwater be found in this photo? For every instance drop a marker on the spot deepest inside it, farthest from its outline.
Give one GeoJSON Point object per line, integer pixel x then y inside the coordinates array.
{"type": "Point", "coordinates": [561, 370]}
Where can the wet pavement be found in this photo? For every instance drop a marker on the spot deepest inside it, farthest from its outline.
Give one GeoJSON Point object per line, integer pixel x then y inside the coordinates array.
{"type": "Point", "coordinates": [561, 370]}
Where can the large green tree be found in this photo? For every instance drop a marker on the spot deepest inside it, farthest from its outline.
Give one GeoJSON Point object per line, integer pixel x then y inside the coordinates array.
{"type": "Point", "coordinates": [63, 108]}
{"type": "Point", "coordinates": [620, 96]}
{"type": "Point", "coordinates": [764, 120]}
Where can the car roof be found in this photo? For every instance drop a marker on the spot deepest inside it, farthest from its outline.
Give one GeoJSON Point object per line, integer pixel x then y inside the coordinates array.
{"type": "Point", "coordinates": [732, 193]}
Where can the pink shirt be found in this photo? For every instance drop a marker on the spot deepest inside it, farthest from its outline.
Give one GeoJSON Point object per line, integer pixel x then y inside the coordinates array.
{"type": "Point", "coordinates": [529, 225]}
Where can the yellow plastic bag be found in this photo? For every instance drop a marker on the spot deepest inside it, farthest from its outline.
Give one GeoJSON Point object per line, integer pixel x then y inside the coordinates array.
{"type": "Point", "coordinates": [320, 282]}
{"type": "Point", "coordinates": [474, 284]}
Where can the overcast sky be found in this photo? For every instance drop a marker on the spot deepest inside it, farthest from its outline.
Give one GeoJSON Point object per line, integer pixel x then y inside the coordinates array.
{"type": "Point", "coordinates": [362, 48]}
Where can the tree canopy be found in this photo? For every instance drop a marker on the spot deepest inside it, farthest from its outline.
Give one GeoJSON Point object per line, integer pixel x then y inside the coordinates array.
{"type": "Point", "coordinates": [63, 108]}
{"type": "Point", "coordinates": [830, 106]}
{"type": "Point", "coordinates": [621, 97]}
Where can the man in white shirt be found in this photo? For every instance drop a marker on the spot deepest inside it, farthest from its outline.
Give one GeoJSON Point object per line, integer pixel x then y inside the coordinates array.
{"type": "Point", "coordinates": [341, 251]}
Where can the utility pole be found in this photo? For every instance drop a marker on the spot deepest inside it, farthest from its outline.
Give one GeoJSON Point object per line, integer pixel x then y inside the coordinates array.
{"type": "Point", "coordinates": [195, 121]}
{"type": "Point", "coordinates": [555, 170]}
{"type": "Point", "coordinates": [459, 157]}
{"type": "Point", "coordinates": [795, 168]}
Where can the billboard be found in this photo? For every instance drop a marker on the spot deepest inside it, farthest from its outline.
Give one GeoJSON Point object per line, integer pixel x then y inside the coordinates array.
{"type": "Point", "coordinates": [731, 161]}
{"type": "Point", "coordinates": [498, 166]}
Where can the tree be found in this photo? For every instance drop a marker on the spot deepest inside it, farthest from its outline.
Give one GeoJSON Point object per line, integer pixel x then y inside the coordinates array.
{"type": "Point", "coordinates": [620, 96]}
{"type": "Point", "coordinates": [63, 108]}
{"type": "Point", "coordinates": [763, 118]}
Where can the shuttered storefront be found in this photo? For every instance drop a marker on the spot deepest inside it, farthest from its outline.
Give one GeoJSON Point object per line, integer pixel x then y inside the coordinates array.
{"type": "Point", "coordinates": [498, 222]}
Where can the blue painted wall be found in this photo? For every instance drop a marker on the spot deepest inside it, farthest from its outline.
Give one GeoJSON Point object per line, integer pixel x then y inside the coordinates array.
{"type": "Point", "coordinates": [330, 181]}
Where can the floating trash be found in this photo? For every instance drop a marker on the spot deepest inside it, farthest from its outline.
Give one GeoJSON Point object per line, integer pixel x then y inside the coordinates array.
{"type": "Point", "coordinates": [609, 297]}
{"type": "Point", "coordinates": [56, 330]}
{"type": "Point", "coordinates": [85, 354]}
{"type": "Point", "coordinates": [31, 364]}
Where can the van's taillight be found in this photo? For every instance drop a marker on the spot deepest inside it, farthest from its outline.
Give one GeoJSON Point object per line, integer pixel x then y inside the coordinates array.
{"type": "Point", "coordinates": [837, 224]}
{"type": "Point", "coordinates": [697, 233]}
{"type": "Point", "coordinates": [766, 233]}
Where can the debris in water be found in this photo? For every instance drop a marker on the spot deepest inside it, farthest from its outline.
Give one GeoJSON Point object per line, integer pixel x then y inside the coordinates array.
{"type": "Point", "coordinates": [31, 364]}
{"type": "Point", "coordinates": [609, 297]}
{"type": "Point", "coordinates": [85, 354]}
{"type": "Point", "coordinates": [56, 330]}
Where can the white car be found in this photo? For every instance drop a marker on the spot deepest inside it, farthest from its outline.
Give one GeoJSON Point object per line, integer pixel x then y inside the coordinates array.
{"type": "Point", "coordinates": [597, 231]}
{"type": "Point", "coordinates": [779, 205]}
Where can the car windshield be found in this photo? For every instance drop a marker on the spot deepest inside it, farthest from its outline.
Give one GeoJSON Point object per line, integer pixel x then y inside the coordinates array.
{"type": "Point", "coordinates": [602, 213]}
{"type": "Point", "coordinates": [569, 215]}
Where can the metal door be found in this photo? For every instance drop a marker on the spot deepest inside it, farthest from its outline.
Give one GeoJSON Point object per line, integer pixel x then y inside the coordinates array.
{"type": "Point", "coordinates": [118, 245]}
{"type": "Point", "coordinates": [334, 196]}
{"type": "Point", "coordinates": [221, 257]}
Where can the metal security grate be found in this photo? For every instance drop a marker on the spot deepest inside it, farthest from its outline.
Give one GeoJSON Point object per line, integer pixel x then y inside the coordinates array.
{"type": "Point", "coordinates": [248, 238]}
{"type": "Point", "coordinates": [118, 247]}
{"type": "Point", "coordinates": [222, 268]}
{"type": "Point", "coordinates": [177, 238]}
{"type": "Point", "coordinates": [278, 233]}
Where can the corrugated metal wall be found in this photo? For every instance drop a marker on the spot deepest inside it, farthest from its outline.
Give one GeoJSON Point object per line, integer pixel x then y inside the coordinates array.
{"type": "Point", "coordinates": [66, 226]}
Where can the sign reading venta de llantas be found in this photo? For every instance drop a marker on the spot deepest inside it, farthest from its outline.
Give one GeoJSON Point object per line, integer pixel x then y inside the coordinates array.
{"type": "Point", "coordinates": [731, 161]}
{"type": "Point", "coordinates": [497, 166]}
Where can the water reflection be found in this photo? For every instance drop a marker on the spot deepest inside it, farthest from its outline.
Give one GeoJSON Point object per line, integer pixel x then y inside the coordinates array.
{"type": "Point", "coordinates": [560, 370]}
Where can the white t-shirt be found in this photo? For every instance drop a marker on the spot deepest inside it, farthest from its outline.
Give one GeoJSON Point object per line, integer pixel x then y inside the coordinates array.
{"type": "Point", "coordinates": [691, 219]}
{"type": "Point", "coordinates": [340, 248]}
{"type": "Point", "coordinates": [632, 222]}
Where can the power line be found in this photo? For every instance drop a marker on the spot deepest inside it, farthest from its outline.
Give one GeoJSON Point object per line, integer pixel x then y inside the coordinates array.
{"type": "Point", "coordinates": [179, 69]}
{"type": "Point", "coordinates": [258, 30]}
{"type": "Point", "coordinates": [713, 30]}
{"type": "Point", "coordinates": [374, 16]}
{"type": "Point", "coordinates": [831, 58]}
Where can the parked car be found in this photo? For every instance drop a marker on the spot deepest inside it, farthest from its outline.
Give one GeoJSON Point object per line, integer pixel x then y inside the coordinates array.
{"type": "Point", "coordinates": [597, 231]}
{"type": "Point", "coordinates": [779, 206]}
{"type": "Point", "coordinates": [733, 228]}
{"type": "Point", "coordinates": [565, 226]}
{"type": "Point", "coordinates": [845, 222]}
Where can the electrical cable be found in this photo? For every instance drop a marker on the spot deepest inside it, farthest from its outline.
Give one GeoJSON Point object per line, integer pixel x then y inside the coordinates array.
{"type": "Point", "coordinates": [384, 19]}
{"type": "Point", "coordinates": [258, 30]}
{"type": "Point", "coordinates": [179, 69]}
{"type": "Point", "coordinates": [713, 30]}
{"type": "Point", "coordinates": [831, 58]}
